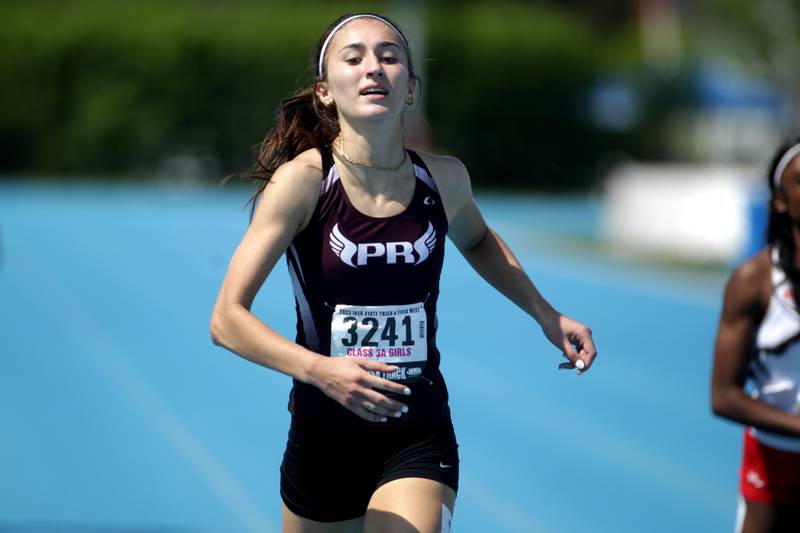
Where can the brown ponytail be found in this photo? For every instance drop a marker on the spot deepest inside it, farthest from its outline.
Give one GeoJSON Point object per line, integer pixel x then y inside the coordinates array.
{"type": "Point", "coordinates": [302, 122]}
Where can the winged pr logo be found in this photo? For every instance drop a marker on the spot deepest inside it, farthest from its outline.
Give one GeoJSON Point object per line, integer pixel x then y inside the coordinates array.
{"type": "Point", "coordinates": [356, 255]}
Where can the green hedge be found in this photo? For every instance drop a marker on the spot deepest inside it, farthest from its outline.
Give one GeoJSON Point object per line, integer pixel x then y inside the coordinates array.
{"type": "Point", "coordinates": [102, 87]}
{"type": "Point", "coordinates": [111, 88]}
{"type": "Point", "coordinates": [506, 88]}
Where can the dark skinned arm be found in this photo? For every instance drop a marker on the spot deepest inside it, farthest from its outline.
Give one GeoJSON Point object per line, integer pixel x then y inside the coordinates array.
{"type": "Point", "coordinates": [746, 298]}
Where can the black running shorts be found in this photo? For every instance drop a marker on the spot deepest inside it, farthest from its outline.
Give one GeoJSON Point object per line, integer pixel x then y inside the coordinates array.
{"type": "Point", "coordinates": [329, 472]}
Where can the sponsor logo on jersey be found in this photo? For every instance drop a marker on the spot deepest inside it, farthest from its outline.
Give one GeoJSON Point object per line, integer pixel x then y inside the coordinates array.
{"type": "Point", "coordinates": [755, 480]}
{"type": "Point", "coordinates": [429, 200]}
{"type": "Point", "coordinates": [360, 254]}
{"type": "Point", "coordinates": [397, 375]}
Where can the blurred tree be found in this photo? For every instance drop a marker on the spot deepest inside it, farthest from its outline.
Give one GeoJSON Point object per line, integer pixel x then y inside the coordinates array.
{"type": "Point", "coordinates": [761, 38]}
{"type": "Point", "coordinates": [92, 87]}
{"type": "Point", "coordinates": [609, 15]}
{"type": "Point", "coordinates": [98, 88]}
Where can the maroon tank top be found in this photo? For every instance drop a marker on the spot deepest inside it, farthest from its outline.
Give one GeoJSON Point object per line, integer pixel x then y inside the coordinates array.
{"type": "Point", "coordinates": [368, 287]}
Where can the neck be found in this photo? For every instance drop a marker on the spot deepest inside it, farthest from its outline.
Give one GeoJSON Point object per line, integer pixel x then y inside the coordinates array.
{"type": "Point", "coordinates": [375, 142]}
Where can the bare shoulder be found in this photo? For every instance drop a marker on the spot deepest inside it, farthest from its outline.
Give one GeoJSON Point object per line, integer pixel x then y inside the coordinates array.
{"type": "Point", "coordinates": [750, 285]}
{"type": "Point", "coordinates": [293, 190]}
{"type": "Point", "coordinates": [304, 170]}
{"type": "Point", "coordinates": [451, 177]}
{"type": "Point", "coordinates": [445, 167]}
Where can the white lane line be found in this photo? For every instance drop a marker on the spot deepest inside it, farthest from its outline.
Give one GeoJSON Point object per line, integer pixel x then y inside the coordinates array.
{"type": "Point", "coordinates": [87, 335]}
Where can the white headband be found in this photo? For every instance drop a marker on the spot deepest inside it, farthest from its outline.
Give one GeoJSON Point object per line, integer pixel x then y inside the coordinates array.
{"type": "Point", "coordinates": [783, 163]}
{"type": "Point", "coordinates": [345, 21]}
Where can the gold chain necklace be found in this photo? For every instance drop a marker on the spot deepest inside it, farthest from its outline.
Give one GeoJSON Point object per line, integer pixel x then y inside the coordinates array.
{"type": "Point", "coordinates": [340, 149]}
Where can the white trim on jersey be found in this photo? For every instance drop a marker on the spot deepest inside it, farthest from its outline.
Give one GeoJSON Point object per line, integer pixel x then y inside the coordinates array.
{"type": "Point", "coordinates": [422, 174]}
{"type": "Point", "coordinates": [306, 317]}
{"type": "Point", "coordinates": [330, 179]}
{"type": "Point", "coordinates": [293, 251]}
{"type": "Point", "coordinates": [776, 367]}
{"type": "Point", "coordinates": [741, 513]}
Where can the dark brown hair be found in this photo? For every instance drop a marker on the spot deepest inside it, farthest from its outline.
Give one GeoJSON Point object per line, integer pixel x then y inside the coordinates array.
{"type": "Point", "coordinates": [779, 226]}
{"type": "Point", "coordinates": [302, 121]}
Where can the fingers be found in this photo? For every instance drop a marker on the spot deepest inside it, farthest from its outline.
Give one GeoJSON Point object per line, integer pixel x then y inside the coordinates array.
{"type": "Point", "coordinates": [367, 415]}
{"type": "Point", "coordinates": [572, 356]}
{"type": "Point", "coordinates": [388, 386]}
{"type": "Point", "coordinates": [587, 351]}
{"type": "Point", "coordinates": [370, 404]}
{"type": "Point", "coordinates": [579, 350]}
{"type": "Point", "coordinates": [375, 407]}
{"type": "Point", "coordinates": [578, 364]}
{"type": "Point", "coordinates": [380, 383]}
{"type": "Point", "coordinates": [378, 403]}
{"type": "Point", "coordinates": [568, 349]}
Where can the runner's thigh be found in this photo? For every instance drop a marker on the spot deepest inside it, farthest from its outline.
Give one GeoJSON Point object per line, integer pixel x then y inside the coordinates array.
{"type": "Point", "coordinates": [409, 505]}
{"type": "Point", "coordinates": [296, 524]}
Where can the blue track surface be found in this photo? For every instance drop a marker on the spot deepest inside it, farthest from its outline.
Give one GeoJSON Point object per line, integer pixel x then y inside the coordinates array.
{"type": "Point", "coordinates": [118, 412]}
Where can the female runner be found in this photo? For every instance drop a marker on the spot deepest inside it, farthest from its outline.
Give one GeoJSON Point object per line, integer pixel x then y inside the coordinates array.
{"type": "Point", "coordinates": [362, 222]}
{"type": "Point", "coordinates": [757, 341]}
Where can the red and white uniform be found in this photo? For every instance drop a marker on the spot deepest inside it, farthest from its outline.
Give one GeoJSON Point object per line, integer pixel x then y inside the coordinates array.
{"type": "Point", "coordinates": [770, 470]}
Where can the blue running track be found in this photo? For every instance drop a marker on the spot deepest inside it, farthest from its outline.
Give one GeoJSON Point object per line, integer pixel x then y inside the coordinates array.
{"type": "Point", "coordinates": [118, 414]}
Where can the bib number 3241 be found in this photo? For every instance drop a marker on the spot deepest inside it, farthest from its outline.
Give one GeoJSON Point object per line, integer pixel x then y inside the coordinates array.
{"type": "Point", "coordinates": [391, 334]}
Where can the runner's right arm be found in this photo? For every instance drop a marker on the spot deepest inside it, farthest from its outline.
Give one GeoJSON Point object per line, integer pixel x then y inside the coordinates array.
{"type": "Point", "coordinates": [746, 298]}
{"type": "Point", "coordinates": [284, 209]}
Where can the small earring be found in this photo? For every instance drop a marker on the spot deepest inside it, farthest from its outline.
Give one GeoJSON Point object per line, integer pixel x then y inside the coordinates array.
{"type": "Point", "coordinates": [410, 99]}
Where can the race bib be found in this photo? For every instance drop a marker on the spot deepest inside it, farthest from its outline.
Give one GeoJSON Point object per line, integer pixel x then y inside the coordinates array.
{"type": "Point", "coordinates": [392, 334]}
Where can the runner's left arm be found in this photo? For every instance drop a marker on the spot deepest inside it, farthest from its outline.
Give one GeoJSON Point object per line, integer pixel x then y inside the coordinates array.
{"type": "Point", "coordinates": [490, 256]}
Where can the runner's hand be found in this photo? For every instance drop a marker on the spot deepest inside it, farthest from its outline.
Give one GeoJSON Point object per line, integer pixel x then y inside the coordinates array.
{"type": "Point", "coordinates": [573, 339]}
{"type": "Point", "coordinates": [349, 382]}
